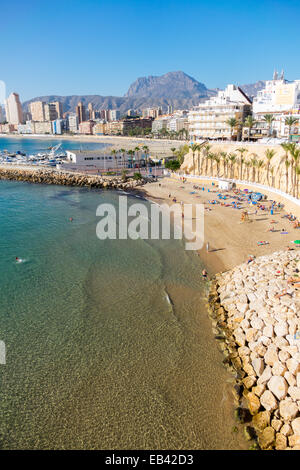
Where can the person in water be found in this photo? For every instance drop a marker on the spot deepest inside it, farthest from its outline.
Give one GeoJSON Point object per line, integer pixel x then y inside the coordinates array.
{"type": "Point", "coordinates": [204, 274]}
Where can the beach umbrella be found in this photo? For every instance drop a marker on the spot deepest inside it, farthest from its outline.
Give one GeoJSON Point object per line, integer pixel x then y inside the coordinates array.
{"type": "Point", "coordinates": [297, 242]}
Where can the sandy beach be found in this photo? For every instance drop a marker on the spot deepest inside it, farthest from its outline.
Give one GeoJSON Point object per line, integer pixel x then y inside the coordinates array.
{"type": "Point", "coordinates": [231, 241]}
{"type": "Point", "coordinates": [157, 147]}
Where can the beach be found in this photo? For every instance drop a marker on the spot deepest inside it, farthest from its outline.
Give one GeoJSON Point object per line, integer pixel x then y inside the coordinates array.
{"type": "Point", "coordinates": [157, 147]}
{"type": "Point", "coordinates": [231, 241]}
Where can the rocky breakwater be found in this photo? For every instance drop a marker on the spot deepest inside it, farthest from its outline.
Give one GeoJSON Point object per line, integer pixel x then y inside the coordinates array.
{"type": "Point", "coordinates": [255, 309]}
{"type": "Point", "coordinates": [45, 176]}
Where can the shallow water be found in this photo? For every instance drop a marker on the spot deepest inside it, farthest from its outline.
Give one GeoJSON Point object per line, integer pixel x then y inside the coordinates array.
{"type": "Point", "coordinates": [108, 342]}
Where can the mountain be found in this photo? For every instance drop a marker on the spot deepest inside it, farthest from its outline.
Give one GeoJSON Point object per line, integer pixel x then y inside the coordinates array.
{"type": "Point", "coordinates": [172, 89]}
{"type": "Point", "coordinates": [175, 89]}
{"type": "Point", "coordinates": [252, 88]}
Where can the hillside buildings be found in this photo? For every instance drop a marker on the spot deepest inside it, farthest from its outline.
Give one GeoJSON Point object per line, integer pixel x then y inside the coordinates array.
{"type": "Point", "coordinates": [13, 109]}
{"type": "Point", "coordinates": [209, 120]}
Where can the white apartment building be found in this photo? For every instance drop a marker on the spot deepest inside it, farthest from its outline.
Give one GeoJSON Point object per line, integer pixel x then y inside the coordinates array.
{"type": "Point", "coordinates": [73, 123]}
{"type": "Point", "coordinates": [13, 109]}
{"type": "Point", "coordinates": [113, 114]}
{"type": "Point", "coordinates": [278, 96]}
{"type": "Point", "coordinates": [281, 98]}
{"type": "Point", "coordinates": [208, 120]}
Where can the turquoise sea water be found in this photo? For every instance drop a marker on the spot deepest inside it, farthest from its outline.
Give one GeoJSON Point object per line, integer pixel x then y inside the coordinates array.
{"type": "Point", "coordinates": [96, 355]}
{"type": "Point", "coordinates": [34, 146]}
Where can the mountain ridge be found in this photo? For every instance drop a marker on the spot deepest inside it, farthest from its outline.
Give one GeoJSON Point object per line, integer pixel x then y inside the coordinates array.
{"type": "Point", "coordinates": [176, 89]}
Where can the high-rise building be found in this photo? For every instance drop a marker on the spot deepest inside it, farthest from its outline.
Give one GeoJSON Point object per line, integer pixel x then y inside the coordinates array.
{"type": "Point", "coordinates": [37, 110]}
{"type": "Point", "coordinates": [59, 109]}
{"type": "Point", "coordinates": [104, 114]}
{"type": "Point", "coordinates": [13, 109]}
{"type": "Point", "coordinates": [73, 123]}
{"type": "Point", "coordinates": [91, 114]}
{"type": "Point", "coordinates": [113, 115]}
{"type": "Point", "coordinates": [80, 111]}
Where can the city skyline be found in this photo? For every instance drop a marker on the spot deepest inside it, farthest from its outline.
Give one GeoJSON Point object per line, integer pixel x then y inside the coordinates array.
{"type": "Point", "coordinates": [235, 44]}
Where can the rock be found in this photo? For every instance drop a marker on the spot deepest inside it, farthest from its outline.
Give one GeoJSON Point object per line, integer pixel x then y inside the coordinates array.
{"type": "Point", "coordinates": [294, 392]}
{"type": "Point", "coordinates": [258, 366]}
{"type": "Point", "coordinates": [268, 331]}
{"type": "Point", "coordinates": [286, 430]}
{"type": "Point", "coordinates": [265, 376]}
{"type": "Point", "coordinates": [278, 386]}
{"type": "Point", "coordinates": [289, 377]}
{"type": "Point", "coordinates": [281, 329]}
{"type": "Point", "coordinates": [294, 440]}
{"type": "Point", "coordinates": [298, 379]}
{"type": "Point", "coordinates": [283, 356]}
{"type": "Point", "coordinates": [259, 390]}
{"type": "Point", "coordinates": [251, 334]}
{"type": "Point", "coordinates": [266, 438]}
{"type": "Point", "coordinates": [261, 420]}
{"type": "Point", "coordinates": [253, 403]}
{"type": "Point", "coordinates": [276, 424]}
{"type": "Point", "coordinates": [271, 356]}
{"type": "Point", "coordinates": [278, 369]}
{"type": "Point", "coordinates": [296, 426]}
{"type": "Point", "coordinates": [288, 409]}
{"type": "Point", "coordinates": [280, 442]}
{"type": "Point", "coordinates": [249, 381]}
{"type": "Point", "coordinates": [293, 366]}
{"type": "Point", "coordinates": [268, 401]}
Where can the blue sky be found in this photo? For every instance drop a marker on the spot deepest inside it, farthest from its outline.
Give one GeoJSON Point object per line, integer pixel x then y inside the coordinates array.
{"type": "Point", "coordinates": [101, 47]}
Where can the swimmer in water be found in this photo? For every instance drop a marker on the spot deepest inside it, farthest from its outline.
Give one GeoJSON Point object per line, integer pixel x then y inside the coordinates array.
{"type": "Point", "coordinates": [204, 274]}
{"type": "Point", "coordinates": [71, 219]}
{"type": "Point", "coordinates": [17, 259]}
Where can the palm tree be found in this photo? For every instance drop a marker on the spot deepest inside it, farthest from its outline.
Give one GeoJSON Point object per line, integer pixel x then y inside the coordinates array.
{"type": "Point", "coordinates": [232, 122]}
{"type": "Point", "coordinates": [247, 164]}
{"type": "Point", "coordinates": [211, 157]}
{"type": "Point", "coordinates": [137, 155]}
{"type": "Point", "coordinates": [269, 118]}
{"type": "Point", "coordinates": [253, 162]}
{"type": "Point", "coordinates": [123, 152]}
{"type": "Point", "coordinates": [269, 155]}
{"type": "Point", "coordinates": [259, 165]}
{"type": "Point", "coordinates": [217, 159]}
{"type": "Point", "coordinates": [223, 155]}
{"type": "Point", "coordinates": [232, 160]}
{"type": "Point", "coordinates": [146, 153]}
{"type": "Point", "coordinates": [297, 184]}
{"type": "Point", "coordinates": [173, 150]}
{"type": "Point", "coordinates": [290, 121]}
{"type": "Point", "coordinates": [131, 153]}
{"type": "Point", "coordinates": [295, 154]}
{"type": "Point", "coordinates": [194, 148]}
{"type": "Point", "coordinates": [114, 153]}
{"type": "Point", "coordinates": [241, 150]}
{"type": "Point", "coordinates": [206, 152]}
{"type": "Point", "coordinates": [286, 149]}
{"type": "Point", "coordinates": [249, 122]}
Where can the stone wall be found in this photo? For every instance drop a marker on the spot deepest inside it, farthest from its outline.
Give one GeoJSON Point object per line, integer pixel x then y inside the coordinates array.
{"type": "Point", "coordinates": [45, 176]}
{"type": "Point", "coordinates": [255, 309]}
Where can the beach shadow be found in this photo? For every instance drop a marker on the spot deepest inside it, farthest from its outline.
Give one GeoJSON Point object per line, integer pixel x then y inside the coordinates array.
{"type": "Point", "coordinates": [216, 249]}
